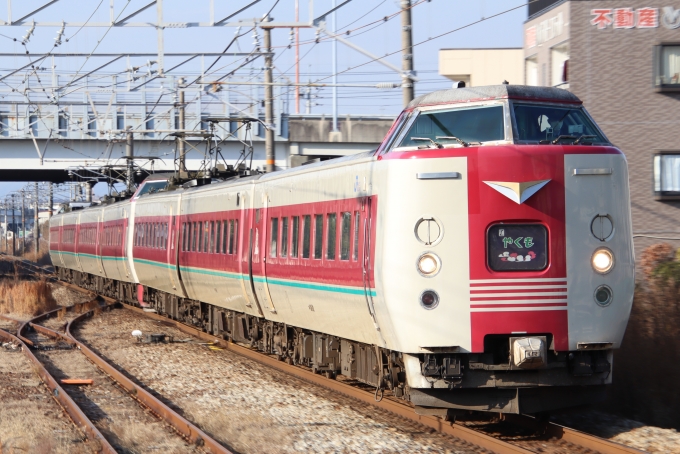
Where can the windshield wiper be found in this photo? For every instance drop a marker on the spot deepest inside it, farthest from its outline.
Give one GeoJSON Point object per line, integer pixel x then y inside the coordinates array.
{"type": "Point", "coordinates": [562, 137]}
{"type": "Point", "coordinates": [584, 137]}
{"type": "Point", "coordinates": [432, 142]}
{"type": "Point", "coordinates": [461, 141]}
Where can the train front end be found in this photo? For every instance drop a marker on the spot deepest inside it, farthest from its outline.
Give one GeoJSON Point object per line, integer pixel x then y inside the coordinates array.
{"type": "Point", "coordinates": [507, 263]}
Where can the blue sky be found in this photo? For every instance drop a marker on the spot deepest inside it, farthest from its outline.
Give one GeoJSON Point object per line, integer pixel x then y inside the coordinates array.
{"type": "Point", "coordinates": [381, 37]}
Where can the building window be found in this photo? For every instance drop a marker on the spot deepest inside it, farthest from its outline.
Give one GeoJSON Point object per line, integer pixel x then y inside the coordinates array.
{"type": "Point", "coordinates": [667, 176]}
{"type": "Point", "coordinates": [559, 57]}
{"type": "Point", "coordinates": [667, 67]}
{"type": "Point", "coordinates": [531, 71]}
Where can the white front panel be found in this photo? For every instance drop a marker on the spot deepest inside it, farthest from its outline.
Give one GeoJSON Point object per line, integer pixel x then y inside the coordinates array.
{"type": "Point", "coordinates": [586, 197]}
{"type": "Point", "coordinates": [408, 199]}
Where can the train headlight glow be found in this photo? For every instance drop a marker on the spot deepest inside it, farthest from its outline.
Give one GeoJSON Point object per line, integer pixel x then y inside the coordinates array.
{"type": "Point", "coordinates": [603, 260]}
{"type": "Point", "coordinates": [428, 264]}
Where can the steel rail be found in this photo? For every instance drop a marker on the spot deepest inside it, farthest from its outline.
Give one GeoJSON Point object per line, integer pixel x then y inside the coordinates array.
{"type": "Point", "coordinates": [478, 438]}
{"type": "Point", "coordinates": [573, 436]}
{"type": "Point", "coordinates": [472, 436]}
{"type": "Point", "coordinates": [551, 429]}
{"type": "Point", "coordinates": [62, 398]}
{"type": "Point", "coordinates": [181, 425]}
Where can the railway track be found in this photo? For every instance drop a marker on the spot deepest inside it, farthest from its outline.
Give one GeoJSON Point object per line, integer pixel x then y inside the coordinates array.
{"type": "Point", "coordinates": [499, 436]}
{"type": "Point", "coordinates": [114, 407]}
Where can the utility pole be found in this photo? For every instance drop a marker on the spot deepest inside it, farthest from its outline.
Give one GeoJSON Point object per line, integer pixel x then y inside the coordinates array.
{"type": "Point", "coordinates": [14, 224]}
{"type": "Point", "coordinates": [182, 124]}
{"type": "Point", "coordinates": [51, 201]}
{"type": "Point", "coordinates": [268, 99]}
{"type": "Point", "coordinates": [129, 155]}
{"type": "Point", "coordinates": [6, 227]}
{"type": "Point", "coordinates": [88, 191]}
{"type": "Point", "coordinates": [23, 222]}
{"type": "Point", "coordinates": [36, 229]}
{"type": "Point", "coordinates": [297, 59]}
{"type": "Point", "coordinates": [407, 83]}
{"type": "Point", "coordinates": [334, 48]}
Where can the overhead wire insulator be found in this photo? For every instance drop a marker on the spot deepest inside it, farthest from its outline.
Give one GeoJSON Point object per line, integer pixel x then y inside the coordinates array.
{"type": "Point", "coordinates": [60, 33]}
{"type": "Point", "coordinates": [386, 85]}
{"type": "Point", "coordinates": [29, 33]}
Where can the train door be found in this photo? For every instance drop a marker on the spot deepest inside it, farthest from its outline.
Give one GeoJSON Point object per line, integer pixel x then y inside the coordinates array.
{"type": "Point", "coordinates": [60, 239]}
{"type": "Point", "coordinates": [367, 263]}
{"type": "Point", "coordinates": [98, 242]}
{"type": "Point", "coordinates": [262, 229]}
{"type": "Point", "coordinates": [124, 242]}
{"type": "Point", "coordinates": [79, 267]}
{"type": "Point", "coordinates": [172, 236]}
{"type": "Point", "coordinates": [245, 252]}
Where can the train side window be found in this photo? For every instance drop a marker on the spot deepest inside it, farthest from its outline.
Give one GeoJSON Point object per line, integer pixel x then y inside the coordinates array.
{"type": "Point", "coordinates": [306, 235]}
{"type": "Point", "coordinates": [206, 236]}
{"type": "Point", "coordinates": [331, 236]}
{"type": "Point", "coordinates": [357, 224]}
{"type": "Point", "coordinates": [225, 232]}
{"type": "Point", "coordinates": [156, 235]}
{"type": "Point", "coordinates": [284, 237]}
{"type": "Point", "coordinates": [345, 237]}
{"type": "Point", "coordinates": [295, 237]}
{"type": "Point", "coordinates": [318, 236]}
{"type": "Point", "coordinates": [231, 237]}
{"type": "Point", "coordinates": [235, 236]}
{"type": "Point", "coordinates": [273, 245]}
{"type": "Point", "coordinates": [184, 236]}
{"type": "Point", "coordinates": [194, 237]}
{"type": "Point", "coordinates": [212, 237]}
{"type": "Point", "coordinates": [165, 235]}
{"type": "Point", "coordinates": [199, 236]}
{"type": "Point", "coordinates": [218, 237]}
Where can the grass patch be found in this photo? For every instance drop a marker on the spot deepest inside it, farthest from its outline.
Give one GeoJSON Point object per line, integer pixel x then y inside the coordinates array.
{"type": "Point", "coordinates": [26, 297]}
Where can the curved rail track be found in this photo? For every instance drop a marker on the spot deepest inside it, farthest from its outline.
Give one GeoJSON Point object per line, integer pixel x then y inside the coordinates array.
{"type": "Point", "coordinates": [28, 342]}
{"type": "Point", "coordinates": [564, 439]}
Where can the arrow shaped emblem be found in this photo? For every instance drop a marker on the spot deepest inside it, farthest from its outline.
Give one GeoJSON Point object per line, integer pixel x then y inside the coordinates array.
{"type": "Point", "coordinates": [516, 191]}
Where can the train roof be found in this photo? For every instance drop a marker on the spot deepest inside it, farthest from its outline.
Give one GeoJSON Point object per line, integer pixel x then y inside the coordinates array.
{"type": "Point", "coordinates": [489, 92]}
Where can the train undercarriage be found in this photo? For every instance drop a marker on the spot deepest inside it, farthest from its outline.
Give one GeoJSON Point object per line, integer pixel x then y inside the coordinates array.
{"type": "Point", "coordinates": [454, 383]}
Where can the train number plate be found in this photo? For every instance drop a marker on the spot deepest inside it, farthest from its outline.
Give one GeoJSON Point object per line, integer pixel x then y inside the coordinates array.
{"type": "Point", "coordinates": [517, 247]}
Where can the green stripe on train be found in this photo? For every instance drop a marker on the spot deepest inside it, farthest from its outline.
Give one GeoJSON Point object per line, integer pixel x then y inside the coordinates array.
{"type": "Point", "coordinates": [284, 283]}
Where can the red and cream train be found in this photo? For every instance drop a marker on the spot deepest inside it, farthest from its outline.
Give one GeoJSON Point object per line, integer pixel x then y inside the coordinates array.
{"type": "Point", "coordinates": [480, 259]}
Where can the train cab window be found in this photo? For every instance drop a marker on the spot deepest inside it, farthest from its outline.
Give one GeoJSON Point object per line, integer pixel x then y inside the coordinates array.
{"type": "Point", "coordinates": [295, 236]}
{"type": "Point", "coordinates": [466, 125]}
{"type": "Point", "coordinates": [346, 229]}
{"type": "Point", "coordinates": [547, 124]}
{"type": "Point", "coordinates": [357, 223]}
{"type": "Point", "coordinates": [284, 237]}
{"type": "Point", "coordinates": [331, 237]}
{"type": "Point", "coordinates": [273, 245]}
{"type": "Point", "coordinates": [318, 236]}
{"type": "Point", "coordinates": [306, 235]}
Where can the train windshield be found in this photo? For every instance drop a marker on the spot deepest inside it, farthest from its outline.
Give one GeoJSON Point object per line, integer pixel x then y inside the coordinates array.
{"type": "Point", "coordinates": [538, 123]}
{"type": "Point", "coordinates": [465, 126]}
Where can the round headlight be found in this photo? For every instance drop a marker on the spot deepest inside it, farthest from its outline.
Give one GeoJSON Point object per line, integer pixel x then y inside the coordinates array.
{"type": "Point", "coordinates": [428, 264]}
{"type": "Point", "coordinates": [429, 299]}
{"type": "Point", "coordinates": [603, 295]}
{"type": "Point", "coordinates": [603, 260]}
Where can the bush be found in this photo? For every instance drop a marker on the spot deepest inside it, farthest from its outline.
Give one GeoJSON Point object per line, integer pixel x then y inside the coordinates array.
{"type": "Point", "coordinates": [647, 365]}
